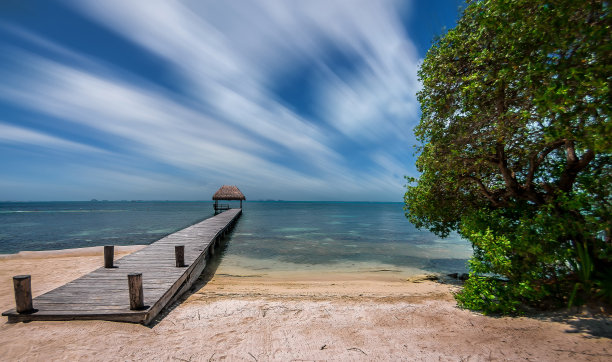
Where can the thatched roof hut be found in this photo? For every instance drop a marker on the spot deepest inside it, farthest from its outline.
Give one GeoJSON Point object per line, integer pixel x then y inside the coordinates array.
{"type": "Point", "coordinates": [227, 192]}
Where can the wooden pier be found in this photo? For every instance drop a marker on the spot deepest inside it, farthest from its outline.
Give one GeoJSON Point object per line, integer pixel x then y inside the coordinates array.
{"type": "Point", "coordinates": [104, 294]}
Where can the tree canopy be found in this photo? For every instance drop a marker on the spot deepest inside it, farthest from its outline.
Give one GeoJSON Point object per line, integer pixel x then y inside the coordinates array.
{"type": "Point", "coordinates": [516, 149]}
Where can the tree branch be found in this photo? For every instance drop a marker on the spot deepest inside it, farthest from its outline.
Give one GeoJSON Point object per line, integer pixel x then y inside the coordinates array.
{"type": "Point", "coordinates": [484, 190]}
{"type": "Point", "coordinates": [570, 153]}
{"type": "Point", "coordinates": [536, 159]}
{"type": "Point", "coordinates": [508, 174]}
{"type": "Point", "coordinates": [573, 166]}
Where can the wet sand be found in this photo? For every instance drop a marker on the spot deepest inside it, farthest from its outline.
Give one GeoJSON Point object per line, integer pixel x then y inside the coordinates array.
{"type": "Point", "coordinates": [238, 314]}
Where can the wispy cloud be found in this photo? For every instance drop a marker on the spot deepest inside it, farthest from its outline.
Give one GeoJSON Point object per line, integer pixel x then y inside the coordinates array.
{"type": "Point", "coordinates": [19, 135]}
{"type": "Point", "coordinates": [228, 125]}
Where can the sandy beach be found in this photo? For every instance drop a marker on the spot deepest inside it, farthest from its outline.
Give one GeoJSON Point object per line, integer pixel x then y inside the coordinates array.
{"type": "Point", "coordinates": [235, 315]}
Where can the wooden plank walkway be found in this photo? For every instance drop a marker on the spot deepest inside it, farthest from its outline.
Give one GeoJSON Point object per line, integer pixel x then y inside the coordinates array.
{"type": "Point", "coordinates": [103, 293]}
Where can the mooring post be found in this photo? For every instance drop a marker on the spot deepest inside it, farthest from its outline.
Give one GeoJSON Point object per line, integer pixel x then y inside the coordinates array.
{"type": "Point", "coordinates": [109, 255]}
{"type": "Point", "coordinates": [136, 295]}
{"type": "Point", "coordinates": [179, 255]}
{"type": "Point", "coordinates": [23, 293]}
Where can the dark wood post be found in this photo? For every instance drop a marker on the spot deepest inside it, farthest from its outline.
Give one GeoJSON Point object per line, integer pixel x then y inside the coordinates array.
{"type": "Point", "coordinates": [23, 293]}
{"type": "Point", "coordinates": [136, 295]}
{"type": "Point", "coordinates": [179, 255]}
{"type": "Point", "coordinates": [109, 255]}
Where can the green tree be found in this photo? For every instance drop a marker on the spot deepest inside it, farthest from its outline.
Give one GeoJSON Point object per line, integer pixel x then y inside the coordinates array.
{"type": "Point", "coordinates": [516, 148]}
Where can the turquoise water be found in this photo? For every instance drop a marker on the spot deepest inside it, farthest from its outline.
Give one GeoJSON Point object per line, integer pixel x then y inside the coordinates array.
{"type": "Point", "coordinates": [62, 225]}
{"type": "Point", "coordinates": [269, 234]}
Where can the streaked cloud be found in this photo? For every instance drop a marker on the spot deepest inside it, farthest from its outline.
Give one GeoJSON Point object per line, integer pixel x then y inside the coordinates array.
{"type": "Point", "coordinates": [19, 135]}
{"type": "Point", "coordinates": [227, 123]}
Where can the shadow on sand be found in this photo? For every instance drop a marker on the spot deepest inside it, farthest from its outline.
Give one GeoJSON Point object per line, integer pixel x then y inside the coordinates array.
{"type": "Point", "coordinates": [587, 320]}
{"type": "Point", "coordinates": [590, 320]}
{"type": "Point", "coordinates": [593, 321]}
{"type": "Point", "coordinates": [212, 264]}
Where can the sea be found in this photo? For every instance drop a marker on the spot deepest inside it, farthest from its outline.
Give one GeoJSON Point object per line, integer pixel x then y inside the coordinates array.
{"type": "Point", "coordinates": [270, 235]}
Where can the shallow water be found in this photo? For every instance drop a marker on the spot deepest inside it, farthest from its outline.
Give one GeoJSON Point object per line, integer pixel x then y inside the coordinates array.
{"type": "Point", "coordinates": [339, 237]}
{"type": "Point", "coordinates": [292, 236]}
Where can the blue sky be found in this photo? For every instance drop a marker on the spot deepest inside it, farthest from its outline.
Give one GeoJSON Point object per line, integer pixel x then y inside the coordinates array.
{"type": "Point", "coordinates": [168, 100]}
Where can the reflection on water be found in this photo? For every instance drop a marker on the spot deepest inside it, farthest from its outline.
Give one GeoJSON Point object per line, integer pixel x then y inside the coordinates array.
{"type": "Point", "coordinates": [275, 235]}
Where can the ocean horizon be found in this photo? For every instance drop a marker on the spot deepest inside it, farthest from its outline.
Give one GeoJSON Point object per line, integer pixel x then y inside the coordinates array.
{"type": "Point", "coordinates": [272, 235]}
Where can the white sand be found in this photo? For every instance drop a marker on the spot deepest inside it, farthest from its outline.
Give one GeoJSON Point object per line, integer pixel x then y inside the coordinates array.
{"type": "Point", "coordinates": [282, 317]}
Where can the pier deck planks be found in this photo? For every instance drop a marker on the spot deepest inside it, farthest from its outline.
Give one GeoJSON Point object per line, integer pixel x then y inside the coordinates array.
{"type": "Point", "coordinates": [103, 293]}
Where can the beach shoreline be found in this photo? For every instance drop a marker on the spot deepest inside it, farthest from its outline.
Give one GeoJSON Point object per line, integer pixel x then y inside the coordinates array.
{"type": "Point", "coordinates": [239, 315]}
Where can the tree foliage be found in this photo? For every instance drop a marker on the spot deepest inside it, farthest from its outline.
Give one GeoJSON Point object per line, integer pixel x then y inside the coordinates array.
{"type": "Point", "coordinates": [516, 149]}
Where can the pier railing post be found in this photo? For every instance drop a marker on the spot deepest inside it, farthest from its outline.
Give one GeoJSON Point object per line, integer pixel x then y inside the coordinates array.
{"type": "Point", "coordinates": [136, 295]}
{"type": "Point", "coordinates": [109, 255]}
{"type": "Point", "coordinates": [179, 255]}
{"type": "Point", "coordinates": [23, 293]}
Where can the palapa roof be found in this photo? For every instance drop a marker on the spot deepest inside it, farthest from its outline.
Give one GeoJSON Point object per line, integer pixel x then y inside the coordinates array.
{"type": "Point", "coordinates": [227, 192]}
